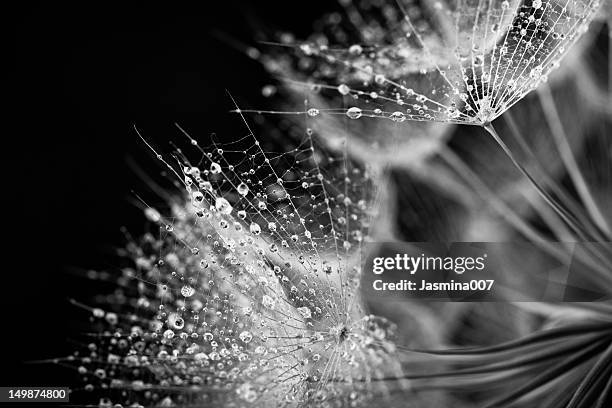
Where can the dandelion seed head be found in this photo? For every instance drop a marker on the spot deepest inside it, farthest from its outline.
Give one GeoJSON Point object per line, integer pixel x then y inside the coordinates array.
{"type": "Point", "coordinates": [492, 52]}
{"type": "Point", "coordinates": [240, 301]}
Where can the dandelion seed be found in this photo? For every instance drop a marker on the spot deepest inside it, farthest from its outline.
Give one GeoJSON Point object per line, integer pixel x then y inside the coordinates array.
{"type": "Point", "coordinates": [262, 316]}
{"type": "Point", "coordinates": [475, 48]}
{"type": "Point", "coordinates": [223, 206]}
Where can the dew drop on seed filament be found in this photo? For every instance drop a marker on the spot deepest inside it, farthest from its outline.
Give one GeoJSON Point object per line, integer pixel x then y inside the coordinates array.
{"type": "Point", "coordinates": [175, 321]}
{"type": "Point", "coordinates": [344, 89]}
{"type": "Point", "coordinates": [215, 168]}
{"type": "Point", "coordinates": [246, 336]}
{"type": "Point", "coordinates": [187, 291]}
{"type": "Point", "coordinates": [312, 112]}
{"type": "Point", "coordinates": [243, 189]}
{"type": "Point", "coordinates": [111, 318]}
{"type": "Point", "coordinates": [355, 49]}
{"type": "Point", "coordinates": [223, 206]}
{"type": "Point", "coordinates": [398, 117]}
{"type": "Point", "coordinates": [354, 113]}
{"type": "Point", "coordinates": [152, 214]}
{"type": "Point", "coordinates": [197, 196]}
{"type": "Point", "coordinates": [255, 228]}
{"type": "Point", "coordinates": [268, 90]}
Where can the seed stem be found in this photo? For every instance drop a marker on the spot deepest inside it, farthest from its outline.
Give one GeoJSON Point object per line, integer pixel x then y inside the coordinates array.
{"type": "Point", "coordinates": [565, 150]}
{"type": "Point", "coordinates": [565, 216]}
{"type": "Point", "coordinates": [568, 218]}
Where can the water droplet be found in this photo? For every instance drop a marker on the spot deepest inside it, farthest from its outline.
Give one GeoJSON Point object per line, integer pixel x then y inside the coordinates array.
{"type": "Point", "coordinates": [215, 168]}
{"type": "Point", "coordinates": [152, 214]}
{"type": "Point", "coordinates": [246, 336]}
{"type": "Point", "coordinates": [175, 321]}
{"type": "Point", "coordinates": [255, 228]}
{"type": "Point", "coordinates": [312, 112]}
{"type": "Point", "coordinates": [344, 89]}
{"type": "Point", "coordinates": [355, 49]}
{"type": "Point", "coordinates": [243, 189]}
{"type": "Point", "coordinates": [398, 117]}
{"type": "Point", "coordinates": [354, 113]}
{"type": "Point", "coordinates": [223, 206]}
{"type": "Point", "coordinates": [453, 113]}
{"type": "Point", "coordinates": [187, 291]}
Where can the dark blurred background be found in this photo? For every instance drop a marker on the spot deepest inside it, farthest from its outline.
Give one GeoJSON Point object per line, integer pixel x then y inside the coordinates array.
{"type": "Point", "coordinates": [80, 76]}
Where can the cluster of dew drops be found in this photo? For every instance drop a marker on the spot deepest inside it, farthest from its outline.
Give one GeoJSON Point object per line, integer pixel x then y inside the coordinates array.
{"type": "Point", "coordinates": [461, 80]}
{"type": "Point", "coordinates": [244, 294]}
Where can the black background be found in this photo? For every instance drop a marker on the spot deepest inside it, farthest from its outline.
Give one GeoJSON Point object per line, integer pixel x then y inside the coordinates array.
{"type": "Point", "coordinates": [80, 75]}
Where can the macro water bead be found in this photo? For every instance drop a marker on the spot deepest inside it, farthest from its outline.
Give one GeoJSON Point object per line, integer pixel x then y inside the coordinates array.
{"type": "Point", "coordinates": [246, 336]}
{"type": "Point", "coordinates": [344, 89]}
{"type": "Point", "coordinates": [215, 168]}
{"type": "Point", "coordinates": [243, 189]}
{"type": "Point", "coordinates": [312, 112]}
{"type": "Point", "coordinates": [187, 291]}
{"type": "Point", "coordinates": [255, 228]}
{"type": "Point", "coordinates": [223, 206]}
{"type": "Point", "coordinates": [176, 321]}
{"type": "Point", "coordinates": [354, 113]}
